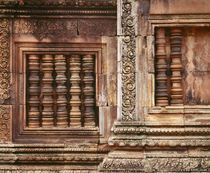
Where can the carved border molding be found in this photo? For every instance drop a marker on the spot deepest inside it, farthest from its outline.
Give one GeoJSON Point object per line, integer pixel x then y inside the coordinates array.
{"type": "Point", "coordinates": [52, 170]}
{"type": "Point", "coordinates": [4, 59]}
{"type": "Point", "coordinates": [128, 61]}
{"type": "Point", "coordinates": [163, 130]}
{"type": "Point", "coordinates": [155, 165]}
{"type": "Point", "coordinates": [60, 3]}
{"type": "Point", "coordinates": [106, 13]}
{"type": "Point", "coordinates": [155, 136]}
{"type": "Point", "coordinates": [62, 154]}
{"type": "Point", "coordinates": [142, 142]}
{"type": "Point", "coordinates": [31, 170]}
{"type": "Point", "coordinates": [4, 124]}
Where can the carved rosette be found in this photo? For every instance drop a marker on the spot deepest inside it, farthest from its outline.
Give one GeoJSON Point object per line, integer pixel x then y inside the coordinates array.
{"type": "Point", "coordinates": [128, 62]}
{"type": "Point", "coordinates": [4, 59]}
{"type": "Point", "coordinates": [4, 124]}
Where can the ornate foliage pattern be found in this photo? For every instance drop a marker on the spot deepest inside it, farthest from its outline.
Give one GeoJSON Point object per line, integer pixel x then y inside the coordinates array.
{"type": "Point", "coordinates": [4, 124]}
{"type": "Point", "coordinates": [128, 62]}
{"type": "Point", "coordinates": [158, 164]}
{"type": "Point", "coordinates": [4, 59]}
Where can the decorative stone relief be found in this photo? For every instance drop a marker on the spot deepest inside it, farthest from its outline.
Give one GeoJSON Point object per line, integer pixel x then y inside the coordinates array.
{"type": "Point", "coordinates": [4, 124]}
{"type": "Point", "coordinates": [41, 28]}
{"type": "Point", "coordinates": [4, 60]}
{"type": "Point", "coordinates": [157, 164]}
{"type": "Point", "coordinates": [128, 62]}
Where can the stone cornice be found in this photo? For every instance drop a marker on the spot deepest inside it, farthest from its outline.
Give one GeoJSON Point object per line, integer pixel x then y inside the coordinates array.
{"type": "Point", "coordinates": [59, 7]}
{"type": "Point", "coordinates": [60, 3]}
{"type": "Point", "coordinates": [50, 153]}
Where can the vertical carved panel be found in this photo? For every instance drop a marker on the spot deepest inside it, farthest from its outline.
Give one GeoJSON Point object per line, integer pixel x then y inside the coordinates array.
{"type": "Point", "coordinates": [61, 91]}
{"type": "Point", "coordinates": [88, 91]}
{"type": "Point", "coordinates": [161, 92]}
{"type": "Point", "coordinates": [33, 91]}
{"type": "Point", "coordinates": [75, 90]}
{"type": "Point", "coordinates": [176, 66]}
{"type": "Point", "coordinates": [47, 91]}
{"type": "Point", "coordinates": [128, 61]}
{"type": "Point", "coordinates": [5, 124]}
{"type": "Point", "coordinates": [4, 59]}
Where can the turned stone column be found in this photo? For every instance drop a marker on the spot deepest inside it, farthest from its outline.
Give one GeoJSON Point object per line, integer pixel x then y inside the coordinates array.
{"type": "Point", "coordinates": [75, 91]}
{"type": "Point", "coordinates": [61, 91]}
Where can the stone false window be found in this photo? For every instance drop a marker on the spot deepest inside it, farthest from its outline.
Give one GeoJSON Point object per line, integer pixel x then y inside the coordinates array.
{"type": "Point", "coordinates": [60, 91]}
{"type": "Point", "coordinates": [57, 93]}
{"type": "Point", "coordinates": [182, 66]}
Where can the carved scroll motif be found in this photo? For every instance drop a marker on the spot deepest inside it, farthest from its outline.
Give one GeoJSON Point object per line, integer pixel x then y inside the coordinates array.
{"type": "Point", "coordinates": [89, 92]}
{"type": "Point", "coordinates": [47, 91]}
{"type": "Point", "coordinates": [34, 91]}
{"type": "Point", "coordinates": [4, 59]}
{"type": "Point", "coordinates": [61, 91]}
{"type": "Point", "coordinates": [75, 90]}
{"type": "Point", "coordinates": [161, 91]}
{"type": "Point", "coordinates": [128, 62]}
{"type": "Point", "coordinates": [176, 66]}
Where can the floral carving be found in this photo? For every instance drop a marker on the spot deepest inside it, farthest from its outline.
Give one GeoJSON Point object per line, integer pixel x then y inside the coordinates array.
{"type": "Point", "coordinates": [128, 62]}
{"type": "Point", "coordinates": [123, 164]}
{"type": "Point", "coordinates": [4, 124]}
{"type": "Point", "coordinates": [156, 164]}
{"type": "Point", "coordinates": [4, 59]}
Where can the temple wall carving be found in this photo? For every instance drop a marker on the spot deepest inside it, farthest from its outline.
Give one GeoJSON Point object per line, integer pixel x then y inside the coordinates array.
{"type": "Point", "coordinates": [104, 86]}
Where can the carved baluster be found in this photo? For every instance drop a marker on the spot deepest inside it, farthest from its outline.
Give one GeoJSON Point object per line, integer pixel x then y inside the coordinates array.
{"type": "Point", "coordinates": [47, 91]}
{"type": "Point", "coordinates": [75, 90]}
{"type": "Point", "coordinates": [176, 66]}
{"type": "Point", "coordinates": [161, 92]}
{"type": "Point", "coordinates": [61, 91]}
{"type": "Point", "coordinates": [89, 90]}
{"type": "Point", "coordinates": [33, 91]}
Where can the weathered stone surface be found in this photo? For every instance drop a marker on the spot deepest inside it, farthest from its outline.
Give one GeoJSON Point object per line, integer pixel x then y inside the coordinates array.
{"type": "Point", "coordinates": [196, 58]}
{"type": "Point", "coordinates": [179, 7]}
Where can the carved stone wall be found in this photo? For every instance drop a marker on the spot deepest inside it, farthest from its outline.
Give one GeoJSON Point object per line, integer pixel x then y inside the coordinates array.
{"type": "Point", "coordinates": [161, 138]}
{"type": "Point", "coordinates": [135, 59]}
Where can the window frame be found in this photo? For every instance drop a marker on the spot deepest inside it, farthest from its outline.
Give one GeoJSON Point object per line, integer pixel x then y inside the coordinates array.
{"type": "Point", "coordinates": [23, 134]}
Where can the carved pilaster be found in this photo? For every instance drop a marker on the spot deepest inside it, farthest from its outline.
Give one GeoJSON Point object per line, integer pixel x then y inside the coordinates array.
{"type": "Point", "coordinates": [75, 91]}
{"type": "Point", "coordinates": [128, 62]}
{"type": "Point", "coordinates": [176, 66]}
{"type": "Point", "coordinates": [61, 91]}
{"type": "Point", "coordinates": [161, 93]}
{"type": "Point", "coordinates": [4, 59]}
{"type": "Point", "coordinates": [47, 91]}
{"type": "Point", "coordinates": [89, 91]}
{"type": "Point", "coordinates": [33, 119]}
